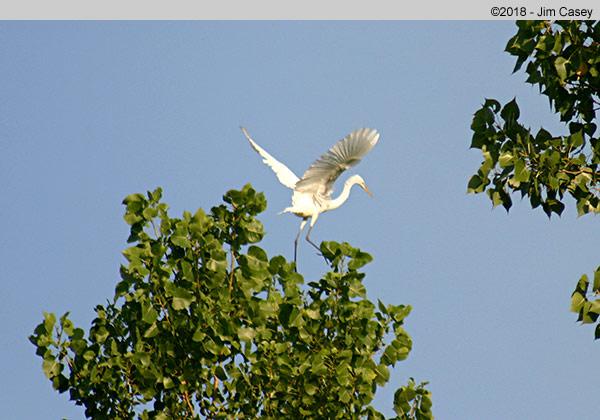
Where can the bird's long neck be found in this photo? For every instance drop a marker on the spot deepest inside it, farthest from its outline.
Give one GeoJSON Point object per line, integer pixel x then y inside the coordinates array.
{"type": "Point", "coordinates": [341, 199]}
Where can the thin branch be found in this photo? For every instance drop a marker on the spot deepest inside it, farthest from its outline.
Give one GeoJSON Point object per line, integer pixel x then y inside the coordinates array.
{"type": "Point", "coordinates": [186, 398]}
{"type": "Point", "coordinates": [156, 235]}
{"type": "Point", "coordinates": [232, 257]}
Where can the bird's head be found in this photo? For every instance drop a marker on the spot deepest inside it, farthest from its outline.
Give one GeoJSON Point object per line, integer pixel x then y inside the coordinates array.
{"type": "Point", "coordinates": [358, 180]}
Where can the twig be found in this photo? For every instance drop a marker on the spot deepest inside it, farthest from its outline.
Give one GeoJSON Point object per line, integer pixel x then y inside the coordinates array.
{"type": "Point", "coordinates": [186, 397]}
{"type": "Point", "coordinates": [231, 270]}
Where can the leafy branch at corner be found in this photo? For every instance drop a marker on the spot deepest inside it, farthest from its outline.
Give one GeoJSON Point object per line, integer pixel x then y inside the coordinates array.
{"type": "Point", "coordinates": [562, 58]}
{"type": "Point", "coordinates": [204, 325]}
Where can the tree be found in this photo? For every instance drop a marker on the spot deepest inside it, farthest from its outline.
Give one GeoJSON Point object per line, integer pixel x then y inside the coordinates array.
{"type": "Point", "coordinates": [562, 58]}
{"type": "Point", "coordinates": [204, 325]}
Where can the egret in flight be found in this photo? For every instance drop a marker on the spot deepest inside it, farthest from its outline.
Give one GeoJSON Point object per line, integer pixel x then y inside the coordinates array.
{"type": "Point", "coordinates": [312, 192]}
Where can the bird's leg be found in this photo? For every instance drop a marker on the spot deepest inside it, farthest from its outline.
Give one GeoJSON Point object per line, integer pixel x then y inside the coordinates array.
{"type": "Point", "coordinates": [302, 224]}
{"type": "Point", "coordinates": [311, 242]}
{"type": "Point", "coordinates": [313, 220]}
{"type": "Point", "coordinates": [314, 244]}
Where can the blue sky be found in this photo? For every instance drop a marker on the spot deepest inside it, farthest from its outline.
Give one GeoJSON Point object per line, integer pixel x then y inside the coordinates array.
{"type": "Point", "coordinates": [93, 111]}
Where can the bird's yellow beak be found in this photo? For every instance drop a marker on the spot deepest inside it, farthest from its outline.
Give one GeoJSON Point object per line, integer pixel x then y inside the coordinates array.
{"type": "Point", "coordinates": [368, 191]}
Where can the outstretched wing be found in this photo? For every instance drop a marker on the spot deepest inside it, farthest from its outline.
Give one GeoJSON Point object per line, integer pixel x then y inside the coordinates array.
{"type": "Point", "coordinates": [319, 178]}
{"type": "Point", "coordinates": [284, 174]}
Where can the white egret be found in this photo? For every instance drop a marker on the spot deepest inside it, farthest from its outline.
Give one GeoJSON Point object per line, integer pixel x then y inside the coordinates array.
{"type": "Point", "coordinates": [312, 192]}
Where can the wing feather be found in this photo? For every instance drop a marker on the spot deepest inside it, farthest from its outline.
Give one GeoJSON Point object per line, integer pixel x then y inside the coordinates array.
{"type": "Point", "coordinates": [320, 176]}
{"type": "Point", "coordinates": [284, 174]}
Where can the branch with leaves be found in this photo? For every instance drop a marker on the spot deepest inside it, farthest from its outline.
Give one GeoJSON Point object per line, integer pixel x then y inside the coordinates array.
{"type": "Point", "coordinates": [204, 325]}
{"type": "Point", "coordinates": [563, 59]}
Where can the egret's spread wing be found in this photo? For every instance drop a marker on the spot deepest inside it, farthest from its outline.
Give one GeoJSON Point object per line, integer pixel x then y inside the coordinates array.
{"type": "Point", "coordinates": [319, 178]}
{"type": "Point", "coordinates": [284, 174]}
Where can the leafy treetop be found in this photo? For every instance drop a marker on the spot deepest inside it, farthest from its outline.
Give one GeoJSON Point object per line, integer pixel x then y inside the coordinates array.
{"type": "Point", "coordinates": [204, 325]}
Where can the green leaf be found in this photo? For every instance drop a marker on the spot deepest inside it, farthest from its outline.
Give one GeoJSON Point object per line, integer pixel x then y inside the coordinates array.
{"type": "Point", "coordinates": [520, 60]}
{"type": "Point", "coordinates": [345, 396]}
{"type": "Point", "coordinates": [342, 374]}
{"type": "Point", "coordinates": [587, 316]}
{"type": "Point", "coordinates": [383, 374]}
{"type": "Point", "coordinates": [521, 171]}
{"type": "Point", "coordinates": [318, 367]}
{"type": "Point", "coordinates": [510, 112]}
{"type": "Point", "coordinates": [595, 307]}
{"type": "Point", "coordinates": [198, 334]}
{"type": "Point", "coordinates": [313, 313]}
{"type": "Point", "coordinates": [285, 310]}
{"type": "Point", "coordinates": [475, 184]}
{"type": "Point", "coordinates": [578, 297]}
{"type": "Point", "coordinates": [246, 334]}
{"type": "Point", "coordinates": [560, 64]}
{"type": "Point", "coordinates": [596, 286]}
{"type": "Point", "coordinates": [49, 322]}
{"type": "Point", "coordinates": [149, 314]}
{"type": "Point", "coordinates": [492, 104]}
{"type": "Point", "coordinates": [60, 383]}
{"type": "Point", "coordinates": [382, 307]}
{"type": "Point", "coordinates": [51, 368]}
{"type": "Point", "coordinates": [359, 260]}
{"type": "Point", "coordinates": [200, 223]}
{"type": "Point", "coordinates": [100, 335]}
{"type": "Point", "coordinates": [168, 382]}
{"type": "Point", "coordinates": [597, 332]}
{"type": "Point", "coordinates": [152, 331]}
{"type": "Point", "coordinates": [505, 159]}
{"type": "Point", "coordinates": [66, 324]}
{"type": "Point", "coordinates": [357, 289]}
{"type": "Point", "coordinates": [254, 231]}
{"type": "Point", "coordinates": [180, 241]}
{"type": "Point", "coordinates": [577, 139]}
{"type": "Point", "coordinates": [134, 199]}
{"type": "Point", "coordinates": [142, 359]}
{"type": "Point", "coordinates": [182, 298]}
{"type": "Point", "coordinates": [188, 272]}
{"type": "Point", "coordinates": [310, 389]}
{"type": "Point", "coordinates": [330, 249]}
{"type": "Point", "coordinates": [216, 265]}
